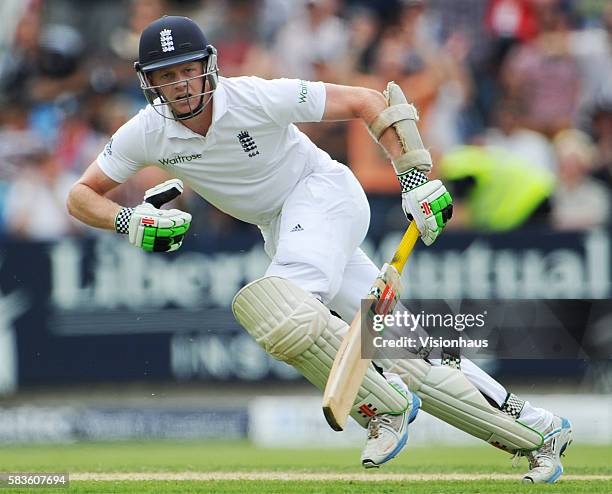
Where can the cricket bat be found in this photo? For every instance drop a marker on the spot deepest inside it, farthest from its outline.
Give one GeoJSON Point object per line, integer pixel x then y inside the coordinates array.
{"type": "Point", "coordinates": [349, 368]}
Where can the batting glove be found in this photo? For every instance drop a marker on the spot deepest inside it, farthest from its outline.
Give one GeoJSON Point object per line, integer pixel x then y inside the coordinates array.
{"type": "Point", "coordinates": [428, 203]}
{"type": "Point", "coordinates": [151, 228]}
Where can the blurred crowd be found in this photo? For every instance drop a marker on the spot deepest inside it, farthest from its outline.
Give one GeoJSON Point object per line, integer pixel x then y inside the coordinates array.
{"type": "Point", "coordinates": [515, 99]}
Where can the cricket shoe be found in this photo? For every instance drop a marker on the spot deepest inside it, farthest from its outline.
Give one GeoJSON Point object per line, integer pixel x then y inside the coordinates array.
{"type": "Point", "coordinates": [387, 435]}
{"type": "Point", "coordinates": [545, 462]}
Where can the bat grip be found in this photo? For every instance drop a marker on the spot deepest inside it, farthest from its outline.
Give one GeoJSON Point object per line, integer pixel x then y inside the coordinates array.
{"type": "Point", "coordinates": [158, 200]}
{"type": "Point", "coordinates": [405, 247]}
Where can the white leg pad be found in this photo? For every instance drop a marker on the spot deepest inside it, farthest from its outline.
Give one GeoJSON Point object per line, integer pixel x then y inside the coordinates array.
{"type": "Point", "coordinates": [293, 326]}
{"type": "Point", "coordinates": [447, 394]}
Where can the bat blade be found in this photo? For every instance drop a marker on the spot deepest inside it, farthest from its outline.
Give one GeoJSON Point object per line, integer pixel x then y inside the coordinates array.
{"type": "Point", "coordinates": [349, 369]}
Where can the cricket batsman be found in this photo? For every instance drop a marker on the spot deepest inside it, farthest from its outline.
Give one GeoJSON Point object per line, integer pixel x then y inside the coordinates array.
{"type": "Point", "coordinates": [234, 142]}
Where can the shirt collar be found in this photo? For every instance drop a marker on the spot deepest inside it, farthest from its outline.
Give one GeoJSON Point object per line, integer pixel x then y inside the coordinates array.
{"type": "Point", "coordinates": [177, 129]}
{"type": "Point", "coordinates": [220, 100]}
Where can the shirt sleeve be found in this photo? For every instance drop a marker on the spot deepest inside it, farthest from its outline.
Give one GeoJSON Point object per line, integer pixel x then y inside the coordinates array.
{"type": "Point", "coordinates": [288, 101]}
{"type": "Point", "coordinates": [124, 154]}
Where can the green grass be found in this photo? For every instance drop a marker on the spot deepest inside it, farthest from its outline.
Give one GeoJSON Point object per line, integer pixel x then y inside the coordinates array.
{"type": "Point", "coordinates": [162, 456]}
{"type": "Point", "coordinates": [311, 487]}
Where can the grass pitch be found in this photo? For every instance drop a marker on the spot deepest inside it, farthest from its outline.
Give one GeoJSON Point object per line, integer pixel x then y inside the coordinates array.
{"type": "Point", "coordinates": [238, 467]}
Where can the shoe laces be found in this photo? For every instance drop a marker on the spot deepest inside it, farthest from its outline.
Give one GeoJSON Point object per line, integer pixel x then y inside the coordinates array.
{"type": "Point", "coordinates": [374, 428]}
{"type": "Point", "coordinates": [375, 423]}
{"type": "Point", "coordinates": [534, 458]}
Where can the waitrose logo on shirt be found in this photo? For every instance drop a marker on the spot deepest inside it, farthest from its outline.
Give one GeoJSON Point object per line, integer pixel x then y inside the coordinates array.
{"type": "Point", "coordinates": [179, 159]}
{"type": "Point", "coordinates": [303, 92]}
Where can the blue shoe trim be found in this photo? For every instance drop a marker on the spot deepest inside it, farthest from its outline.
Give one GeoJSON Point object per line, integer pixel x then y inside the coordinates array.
{"type": "Point", "coordinates": [556, 475]}
{"type": "Point", "coordinates": [416, 405]}
{"type": "Point", "coordinates": [552, 433]}
{"type": "Point", "coordinates": [397, 449]}
{"type": "Point", "coordinates": [565, 424]}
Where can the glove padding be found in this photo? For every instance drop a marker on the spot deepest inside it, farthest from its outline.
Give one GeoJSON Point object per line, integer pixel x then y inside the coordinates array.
{"type": "Point", "coordinates": [158, 230]}
{"type": "Point", "coordinates": [431, 206]}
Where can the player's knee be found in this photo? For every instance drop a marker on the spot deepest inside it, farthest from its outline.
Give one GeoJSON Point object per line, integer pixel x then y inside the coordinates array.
{"type": "Point", "coordinates": [320, 280]}
{"type": "Point", "coordinates": [282, 317]}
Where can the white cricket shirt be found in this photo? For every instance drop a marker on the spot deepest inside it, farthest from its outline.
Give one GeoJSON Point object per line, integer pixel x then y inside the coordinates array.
{"type": "Point", "coordinates": [250, 159]}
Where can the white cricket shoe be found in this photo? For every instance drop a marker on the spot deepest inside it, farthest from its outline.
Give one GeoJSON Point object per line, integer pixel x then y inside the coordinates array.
{"type": "Point", "coordinates": [387, 435]}
{"type": "Point", "coordinates": [545, 463]}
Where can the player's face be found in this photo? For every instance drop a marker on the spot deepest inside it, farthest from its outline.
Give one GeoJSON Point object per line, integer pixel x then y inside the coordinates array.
{"type": "Point", "coordinates": [182, 85]}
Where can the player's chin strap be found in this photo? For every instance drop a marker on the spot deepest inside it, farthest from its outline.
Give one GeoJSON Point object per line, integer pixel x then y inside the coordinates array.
{"type": "Point", "coordinates": [199, 108]}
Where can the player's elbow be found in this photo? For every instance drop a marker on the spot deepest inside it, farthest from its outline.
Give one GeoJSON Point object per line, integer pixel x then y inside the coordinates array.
{"type": "Point", "coordinates": [72, 200]}
{"type": "Point", "coordinates": [70, 206]}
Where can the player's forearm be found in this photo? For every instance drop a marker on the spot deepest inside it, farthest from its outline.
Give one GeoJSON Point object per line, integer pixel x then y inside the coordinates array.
{"type": "Point", "coordinates": [348, 102]}
{"type": "Point", "coordinates": [370, 108]}
{"type": "Point", "coordinates": [91, 208]}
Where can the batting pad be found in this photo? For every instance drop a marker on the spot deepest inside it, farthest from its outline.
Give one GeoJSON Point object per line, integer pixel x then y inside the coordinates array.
{"type": "Point", "coordinates": [447, 394]}
{"type": "Point", "coordinates": [293, 326]}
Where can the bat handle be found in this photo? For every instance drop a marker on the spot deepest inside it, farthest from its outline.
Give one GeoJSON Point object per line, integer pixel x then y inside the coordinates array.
{"type": "Point", "coordinates": [163, 193]}
{"type": "Point", "coordinates": [405, 247]}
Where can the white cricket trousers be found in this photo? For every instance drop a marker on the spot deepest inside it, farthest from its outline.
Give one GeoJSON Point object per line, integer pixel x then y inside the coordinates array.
{"type": "Point", "coordinates": [314, 243]}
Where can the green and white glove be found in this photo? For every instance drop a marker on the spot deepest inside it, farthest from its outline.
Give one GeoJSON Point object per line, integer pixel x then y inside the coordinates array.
{"type": "Point", "coordinates": [151, 228]}
{"type": "Point", "coordinates": [428, 203]}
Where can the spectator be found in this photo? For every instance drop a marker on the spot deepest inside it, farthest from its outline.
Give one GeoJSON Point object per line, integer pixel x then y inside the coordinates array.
{"type": "Point", "coordinates": [237, 38]}
{"type": "Point", "coordinates": [34, 208]}
{"type": "Point", "coordinates": [310, 45]}
{"type": "Point", "coordinates": [509, 22]}
{"type": "Point", "coordinates": [124, 40]}
{"type": "Point", "coordinates": [20, 60]}
{"type": "Point", "coordinates": [15, 144]}
{"type": "Point", "coordinates": [425, 71]}
{"type": "Point", "coordinates": [44, 62]}
{"type": "Point", "coordinates": [426, 46]}
{"type": "Point", "coordinates": [496, 190]}
{"type": "Point", "coordinates": [580, 202]}
{"type": "Point", "coordinates": [364, 31]}
{"type": "Point", "coordinates": [314, 45]}
{"type": "Point", "coordinates": [77, 142]}
{"type": "Point", "coordinates": [511, 135]}
{"type": "Point", "coordinates": [505, 24]}
{"type": "Point", "coordinates": [592, 48]}
{"type": "Point", "coordinates": [543, 74]}
{"type": "Point", "coordinates": [602, 131]}
{"type": "Point", "coordinates": [124, 43]}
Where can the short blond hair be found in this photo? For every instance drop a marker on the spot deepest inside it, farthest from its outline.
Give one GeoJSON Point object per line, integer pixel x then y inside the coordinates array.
{"type": "Point", "coordinates": [574, 142]}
